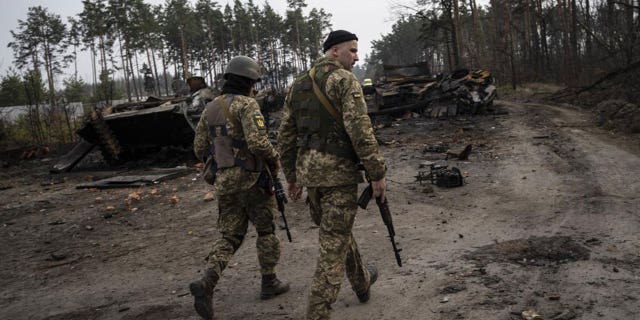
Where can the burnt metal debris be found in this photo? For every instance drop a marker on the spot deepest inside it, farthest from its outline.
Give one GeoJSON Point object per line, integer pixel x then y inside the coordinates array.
{"type": "Point", "coordinates": [133, 130]}
{"type": "Point", "coordinates": [130, 130]}
{"type": "Point", "coordinates": [441, 175]}
{"type": "Point", "coordinates": [407, 88]}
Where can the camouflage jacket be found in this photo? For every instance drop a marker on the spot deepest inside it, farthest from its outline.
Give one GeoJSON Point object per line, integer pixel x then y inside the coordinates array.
{"type": "Point", "coordinates": [253, 131]}
{"type": "Point", "coordinates": [311, 168]}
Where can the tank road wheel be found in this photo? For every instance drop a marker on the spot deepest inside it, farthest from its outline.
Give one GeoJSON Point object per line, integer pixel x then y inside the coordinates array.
{"type": "Point", "coordinates": [107, 141]}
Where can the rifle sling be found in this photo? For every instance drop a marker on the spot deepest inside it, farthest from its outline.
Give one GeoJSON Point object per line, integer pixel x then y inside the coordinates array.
{"type": "Point", "coordinates": [227, 113]}
{"type": "Point", "coordinates": [323, 99]}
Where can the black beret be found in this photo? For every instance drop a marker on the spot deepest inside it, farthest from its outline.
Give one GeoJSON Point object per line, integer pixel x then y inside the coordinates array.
{"type": "Point", "coordinates": [336, 37]}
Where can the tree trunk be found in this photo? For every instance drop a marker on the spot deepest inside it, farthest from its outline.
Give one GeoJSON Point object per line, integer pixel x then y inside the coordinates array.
{"type": "Point", "coordinates": [575, 59]}
{"type": "Point", "coordinates": [631, 34]}
{"type": "Point", "coordinates": [124, 69]}
{"type": "Point", "coordinates": [544, 44]}
{"type": "Point", "coordinates": [49, 69]}
{"type": "Point", "coordinates": [103, 55]}
{"type": "Point", "coordinates": [151, 63]}
{"type": "Point", "coordinates": [478, 34]}
{"type": "Point", "coordinates": [67, 118]}
{"type": "Point", "coordinates": [492, 36]}
{"type": "Point", "coordinates": [457, 32]}
{"type": "Point", "coordinates": [164, 71]}
{"type": "Point", "coordinates": [185, 63]}
{"type": "Point", "coordinates": [510, 43]}
{"type": "Point", "coordinates": [75, 63]}
{"type": "Point", "coordinates": [93, 66]}
{"type": "Point", "coordinates": [535, 41]}
{"type": "Point", "coordinates": [155, 72]}
{"type": "Point", "coordinates": [135, 70]}
{"type": "Point", "coordinates": [588, 40]}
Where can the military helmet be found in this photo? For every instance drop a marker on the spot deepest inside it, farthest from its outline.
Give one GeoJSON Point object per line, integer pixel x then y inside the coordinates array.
{"type": "Point", "coordinates": [195, 78]}
{"type": "Point", "coordinates": [243, 66]}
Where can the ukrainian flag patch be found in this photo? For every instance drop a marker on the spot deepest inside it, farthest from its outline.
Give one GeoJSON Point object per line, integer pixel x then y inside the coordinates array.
{"type": "Point", "coordinates": [356, 94]}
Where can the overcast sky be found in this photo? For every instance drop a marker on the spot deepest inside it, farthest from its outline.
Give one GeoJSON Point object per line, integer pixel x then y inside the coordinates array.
{"type": "Point", "coordinates": [369, 19]}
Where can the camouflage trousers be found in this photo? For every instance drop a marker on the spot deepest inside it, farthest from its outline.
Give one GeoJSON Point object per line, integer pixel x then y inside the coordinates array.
{"type": "Point", "coordinates": [334, 210]}
{"type": "Point", "coordinates": [235, 212]}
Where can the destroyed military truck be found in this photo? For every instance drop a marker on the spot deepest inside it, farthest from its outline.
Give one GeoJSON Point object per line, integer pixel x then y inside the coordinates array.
{"type": "Point", "coordinates": [410, 88]}
{"type": "Point", "coordinates": [132, 130]}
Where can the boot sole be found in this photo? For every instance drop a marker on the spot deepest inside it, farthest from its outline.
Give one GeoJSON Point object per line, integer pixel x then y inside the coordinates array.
{"type": "Point", "coordinates": [200, 303]}
{"type": "Point", "coordinates": [364, 298]}
{"type": "Point", "coordinates": [267, 296]}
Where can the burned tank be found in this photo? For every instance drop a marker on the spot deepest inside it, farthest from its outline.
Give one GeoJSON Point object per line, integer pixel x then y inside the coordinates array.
{"type": "Point", "coordinates": [134, 130]}
{"type": "Point", "coordinates": [409, 88]}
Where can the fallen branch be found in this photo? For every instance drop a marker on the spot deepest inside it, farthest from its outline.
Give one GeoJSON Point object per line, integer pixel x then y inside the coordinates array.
{"type": "Point", "coordinates": [610, 75]}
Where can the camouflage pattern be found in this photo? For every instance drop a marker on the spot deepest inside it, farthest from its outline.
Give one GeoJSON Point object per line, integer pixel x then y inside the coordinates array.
{"type": "Point", "coordinates": [235, 212]}
{"type": "Point", "coordinates": [253, 131]}
{"type": "Point", "coordinates": [331, 183]}
{"type": "Point", "coordinates": [312, 168]}
{"type": "Point", "coordinates": [338, 248]}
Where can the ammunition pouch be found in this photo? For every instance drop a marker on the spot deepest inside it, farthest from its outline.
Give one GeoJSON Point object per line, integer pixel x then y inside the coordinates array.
{"type": "Point", "coordinates": [228, 151]}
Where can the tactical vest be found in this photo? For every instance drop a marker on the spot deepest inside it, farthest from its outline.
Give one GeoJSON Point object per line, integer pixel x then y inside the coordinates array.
{"type": "Point", "coordinates": [317, 129]}
{"type": "Point", "coordinates": [228, 151]}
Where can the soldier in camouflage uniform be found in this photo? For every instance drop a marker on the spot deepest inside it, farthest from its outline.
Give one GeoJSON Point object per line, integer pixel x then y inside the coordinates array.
{"type": "Point", "coordinates": [320, 151]}
{"type": "Point", "coordinates": [232, 130]}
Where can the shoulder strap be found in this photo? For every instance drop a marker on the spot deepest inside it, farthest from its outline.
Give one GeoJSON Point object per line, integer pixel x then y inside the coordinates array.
{"type": "Point", "coordinates": [225, 108]}
{"type": "Point", "coordinates": [325, 103]}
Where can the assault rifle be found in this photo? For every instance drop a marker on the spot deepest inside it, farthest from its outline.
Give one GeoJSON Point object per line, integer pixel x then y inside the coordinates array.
{"type": "Point", "coordinates": [281, 199]}
{"type": "Point", "coordinates": [363, 201]}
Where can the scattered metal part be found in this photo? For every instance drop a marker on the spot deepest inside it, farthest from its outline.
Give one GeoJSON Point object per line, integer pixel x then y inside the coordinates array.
{"type": "Point", "coordinates": [436, 148]}
{"type": "Point", "coordinates": [136, 181]}
{"type": "Point", "coordinates": [441, 175]}
{"type": "Point", "coordinates": [463, 155]}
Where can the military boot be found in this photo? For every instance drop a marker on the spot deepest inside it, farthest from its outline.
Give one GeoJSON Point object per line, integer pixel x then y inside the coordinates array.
{"type": "Point", "coordinates": [373, 276]}
{"type": "Point", "coordinates": [272, 287]}
{"type": "Point", "coordinates": [202, 291]}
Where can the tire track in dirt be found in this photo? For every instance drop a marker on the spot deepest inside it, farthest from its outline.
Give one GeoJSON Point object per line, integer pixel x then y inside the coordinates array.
{"type": "Point", "coordinates": [585, 195]}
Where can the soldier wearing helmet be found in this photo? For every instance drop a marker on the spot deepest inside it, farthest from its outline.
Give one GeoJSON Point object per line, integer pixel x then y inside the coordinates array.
{"type": "Point", "coordinates": [232, 130]}
{"type": "Point", "coordinates": [199, 94]}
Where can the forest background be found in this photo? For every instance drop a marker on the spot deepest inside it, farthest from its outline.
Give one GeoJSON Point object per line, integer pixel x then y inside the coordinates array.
{"type": "Point", "coordinates": [571, 43]}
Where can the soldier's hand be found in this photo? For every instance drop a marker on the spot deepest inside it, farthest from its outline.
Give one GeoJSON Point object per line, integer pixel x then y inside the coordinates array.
{"type": "Point", "coordinates": [295, 191]}
{"type": "Point", "coordinates": [379, 188]}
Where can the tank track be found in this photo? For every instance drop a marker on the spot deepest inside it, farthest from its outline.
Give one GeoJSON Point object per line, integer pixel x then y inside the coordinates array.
{"type": "Point", "coordinates": [107, 141]}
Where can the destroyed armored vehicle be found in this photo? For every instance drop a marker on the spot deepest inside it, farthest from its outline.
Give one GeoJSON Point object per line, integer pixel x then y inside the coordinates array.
{"type": "Point", "coordinates": [472, 91]}
{"type": "Point", "coordinates": [400, 86]}
{"type": "Point", "coordinates": [132, 130]}
{"type": "Point", "coordinates": [406, 89]}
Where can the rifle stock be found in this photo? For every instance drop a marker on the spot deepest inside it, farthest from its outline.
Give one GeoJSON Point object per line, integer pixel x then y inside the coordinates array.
{"type": "Point", "coordinates": [281, 199]}
{"type": "Point", "coordinates": [363, 201]}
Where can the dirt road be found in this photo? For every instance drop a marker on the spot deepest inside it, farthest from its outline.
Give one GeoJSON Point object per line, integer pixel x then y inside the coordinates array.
{"type": "Point", "coordinates": [547, 221]}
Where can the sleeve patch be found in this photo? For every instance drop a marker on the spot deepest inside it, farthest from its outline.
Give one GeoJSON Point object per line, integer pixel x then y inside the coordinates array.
{"type": "Point", "coordinates": [356, 94]}
{"type": "Point", "coordinates": [259, 120]}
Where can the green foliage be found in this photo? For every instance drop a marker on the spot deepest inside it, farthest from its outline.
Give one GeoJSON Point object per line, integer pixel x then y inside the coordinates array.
{"type": "Point", "coordinates": [402, 45]}
{"type": "Point", "coordinates": [40, 41]}
{"type": "Point", "coordinates": [35, 90]}
{"type": "Point", "coordinates": [74, 90]}
{"type": "Point", "coordinates": [123, 34]}
{"type": "Point", "coordinates": [12, 90]}
{"type": "Point", "coordinates": [107, 90]}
